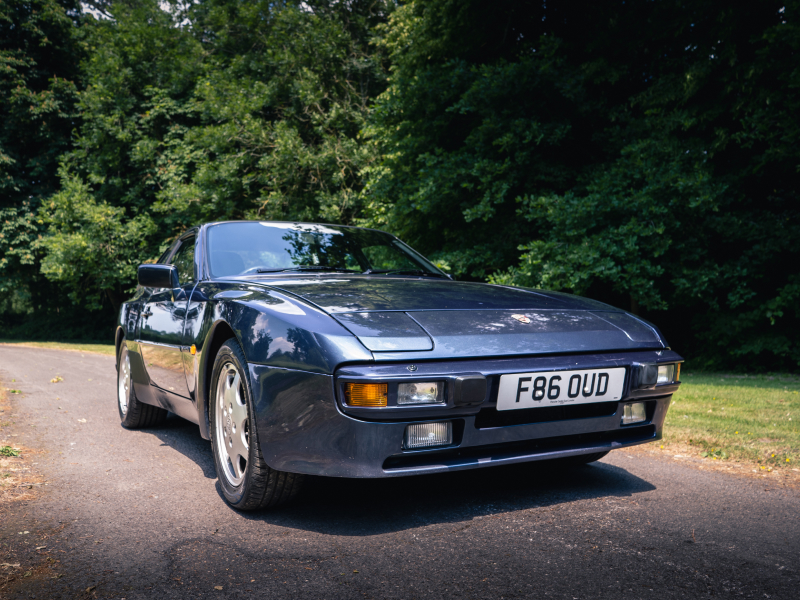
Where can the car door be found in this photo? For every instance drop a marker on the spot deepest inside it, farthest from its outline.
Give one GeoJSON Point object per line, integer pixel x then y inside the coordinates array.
{"type": "Point", "coordinates": [163, 316]}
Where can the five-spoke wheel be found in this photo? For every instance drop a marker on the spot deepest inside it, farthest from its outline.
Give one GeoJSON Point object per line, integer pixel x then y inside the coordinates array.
{"type": "Point", "coordinates": [245, 479]}
{"type": "Point", "coordinates": [233, 431]}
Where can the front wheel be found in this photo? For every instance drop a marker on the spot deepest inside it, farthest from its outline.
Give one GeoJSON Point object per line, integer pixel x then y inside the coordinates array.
{"type": "Point", "coordinates": [247, 482]}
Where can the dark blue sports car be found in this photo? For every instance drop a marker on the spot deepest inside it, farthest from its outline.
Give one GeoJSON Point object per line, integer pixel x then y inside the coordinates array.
{"type": "Point", "coordinates": [301, 348]}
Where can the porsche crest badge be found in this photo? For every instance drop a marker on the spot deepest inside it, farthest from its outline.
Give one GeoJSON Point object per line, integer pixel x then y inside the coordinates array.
{"type": "Point", "coordinates": [521, 318]}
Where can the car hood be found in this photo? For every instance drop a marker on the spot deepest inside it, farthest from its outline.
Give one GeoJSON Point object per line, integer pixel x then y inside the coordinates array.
{"type": "Point", "coordinates": [441, 318]}
{"type": "Point", "coordinates": [370, 293]}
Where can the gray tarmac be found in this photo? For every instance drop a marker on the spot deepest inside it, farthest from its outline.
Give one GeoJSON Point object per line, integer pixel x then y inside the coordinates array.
{"type": "Point", "coordinates": [138, 514]}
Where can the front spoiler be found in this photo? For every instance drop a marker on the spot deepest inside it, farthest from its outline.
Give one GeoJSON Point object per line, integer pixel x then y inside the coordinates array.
{"type": "Point", "coordinates": [510, 453]}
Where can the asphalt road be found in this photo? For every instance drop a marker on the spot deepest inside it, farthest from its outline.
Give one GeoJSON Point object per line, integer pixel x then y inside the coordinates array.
{"type": "Point", "coordinates": [137, 514]}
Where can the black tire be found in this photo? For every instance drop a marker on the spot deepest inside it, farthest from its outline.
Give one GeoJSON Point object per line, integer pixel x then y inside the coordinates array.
{"type": "Point", "coordinates": [247, 482]}
{"type": "Point", "coordinates": [132, 413]}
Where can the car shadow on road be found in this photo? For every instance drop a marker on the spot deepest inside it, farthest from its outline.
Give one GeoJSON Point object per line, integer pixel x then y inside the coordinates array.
{"type": "Point", "coordinates": [364, 507]}
{"type": "Point", "coordinates": [184, 437]}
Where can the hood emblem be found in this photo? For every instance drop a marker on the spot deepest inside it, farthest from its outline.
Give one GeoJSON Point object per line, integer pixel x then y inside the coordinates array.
{"type": "Point", "coordinates": [521, 318]}
{"type": "Point", "coordinates": [412, 368]}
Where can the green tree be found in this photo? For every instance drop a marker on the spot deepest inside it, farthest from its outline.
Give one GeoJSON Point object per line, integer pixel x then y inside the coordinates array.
{"type": "Point", "coordinates": [642, 153]}
{"type": "Point", "coordinates": [93, 245]}
{"type": "Point", "coordinates": [284, 95]}
{"type": "Point", "coordinates": [40, 47]}
{"type": "Point", "coordinates": [136, 107]}
{"type": "Point", "coordinates": [218, 110]}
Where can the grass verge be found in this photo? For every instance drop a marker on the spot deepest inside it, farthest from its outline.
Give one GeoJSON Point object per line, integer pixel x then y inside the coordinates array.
{"type": "Point", "coordinates": [753, 419]}
{"type": "Point", "coordinates": [107, 349]}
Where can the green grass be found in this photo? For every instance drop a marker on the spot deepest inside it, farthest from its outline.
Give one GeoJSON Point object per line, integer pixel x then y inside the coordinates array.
{"type": "Point", "coordinates": [8, 451]}
{"type": "Point", "coordinates": [107, 349]}
{"type": "Point", "coordinates": [734, 417]}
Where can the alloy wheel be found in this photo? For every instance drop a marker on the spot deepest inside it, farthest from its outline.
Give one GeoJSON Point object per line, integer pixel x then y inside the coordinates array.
{"type": "Point", "coordinates": [232, 425]}
{"type": "Point", "coordinates": [124, 383]}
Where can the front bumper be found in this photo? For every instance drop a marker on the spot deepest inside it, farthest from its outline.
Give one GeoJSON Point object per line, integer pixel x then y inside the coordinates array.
{"type": "Point", "coordinates": [303, 429]}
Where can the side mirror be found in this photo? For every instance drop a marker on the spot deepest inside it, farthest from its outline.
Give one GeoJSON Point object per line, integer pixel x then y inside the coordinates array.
{"type": "Point", "coordinates": [157, 276]}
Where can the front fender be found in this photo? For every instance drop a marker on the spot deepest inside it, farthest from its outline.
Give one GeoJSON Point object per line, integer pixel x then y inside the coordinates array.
{"type": "Point", "coordinates": [279, 330]}
{"type": "Point", "coordinates": [272, 329]}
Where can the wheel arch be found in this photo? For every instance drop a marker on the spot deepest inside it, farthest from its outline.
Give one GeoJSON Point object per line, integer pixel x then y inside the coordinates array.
{"type": "Point", "coordinates": [220, 332]}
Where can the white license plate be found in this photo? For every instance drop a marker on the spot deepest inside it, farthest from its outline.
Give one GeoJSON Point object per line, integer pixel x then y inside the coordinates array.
{"type": "Point", "coordinates": [559, 388]}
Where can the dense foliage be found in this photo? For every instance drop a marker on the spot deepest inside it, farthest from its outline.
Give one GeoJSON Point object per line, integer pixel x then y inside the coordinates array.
{"type": "Point", "coordinates": [253, 111]}
{"type": "Point", "coordinates": [39, 79]}
{"type": "Point", "coordinates": [643, 153]}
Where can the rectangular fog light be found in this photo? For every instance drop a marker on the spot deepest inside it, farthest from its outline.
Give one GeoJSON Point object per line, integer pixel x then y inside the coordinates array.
{"type": "Point", "coordinates": [427, 435]}
{"type": "Point", "coordinates": [425, 392]}
{"type": "Point", "coordinates": [634, 413]}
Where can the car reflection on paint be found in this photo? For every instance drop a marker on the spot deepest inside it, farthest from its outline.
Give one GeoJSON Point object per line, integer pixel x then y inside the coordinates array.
{"type": "Point", "coordinates": [308, 349]}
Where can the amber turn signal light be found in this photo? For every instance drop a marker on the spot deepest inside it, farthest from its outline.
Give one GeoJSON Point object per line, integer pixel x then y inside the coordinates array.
{"type": "Point", "coordinates": [365, 394]}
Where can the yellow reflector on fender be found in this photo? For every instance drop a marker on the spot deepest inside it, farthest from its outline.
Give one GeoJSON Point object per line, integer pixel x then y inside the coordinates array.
{"type": "Point", "coordinates": [365, 394]}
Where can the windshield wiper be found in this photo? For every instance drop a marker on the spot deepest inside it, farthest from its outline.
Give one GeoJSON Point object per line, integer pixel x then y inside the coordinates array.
{"type": "Point", "coordinates": [402, 272]}
{"type": "Point", "coordinates": [308, 268]}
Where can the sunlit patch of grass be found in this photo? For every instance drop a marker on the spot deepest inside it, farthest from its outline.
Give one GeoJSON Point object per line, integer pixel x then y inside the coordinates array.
{"type": "Point", "coordinates": [107, 349]}
{"type": "Point", "coordinates": [733, 417]}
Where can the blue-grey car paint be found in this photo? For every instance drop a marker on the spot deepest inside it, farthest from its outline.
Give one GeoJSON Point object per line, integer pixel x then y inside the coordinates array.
{"type": "Point", "coordinates": [302, 334]}
{"type": "Point", "coordinates": [310, 434]}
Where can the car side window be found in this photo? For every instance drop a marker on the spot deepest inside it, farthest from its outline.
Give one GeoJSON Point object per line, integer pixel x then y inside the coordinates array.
{"type": "Point", "coordinates": [184, 261]}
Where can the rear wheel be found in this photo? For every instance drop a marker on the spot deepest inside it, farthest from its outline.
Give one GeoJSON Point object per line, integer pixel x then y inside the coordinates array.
{"type": "Point", "coordinates": [247, 482]}
{"type": "Point", "coordinates": [132, 413]}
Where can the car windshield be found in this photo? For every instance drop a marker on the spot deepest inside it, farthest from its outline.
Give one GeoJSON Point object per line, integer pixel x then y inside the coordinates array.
{"type": "Point", "coordinates": [251, 248]}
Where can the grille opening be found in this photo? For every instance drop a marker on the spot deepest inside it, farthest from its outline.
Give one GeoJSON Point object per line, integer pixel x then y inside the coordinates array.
{"type": "Point", "coordinates": [491, 417]}
{"type": "Point", "coordinates": [494, 452]}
